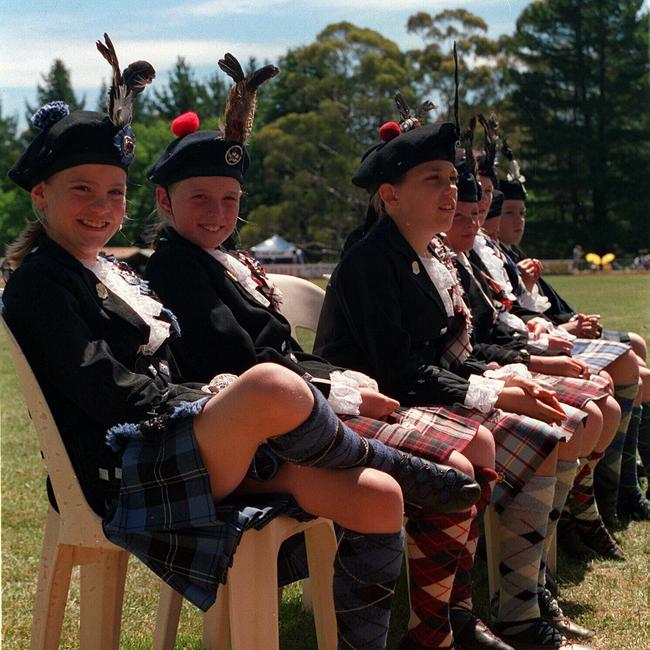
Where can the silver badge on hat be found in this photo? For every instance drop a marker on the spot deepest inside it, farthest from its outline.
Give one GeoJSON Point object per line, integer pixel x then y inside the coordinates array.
{"type": "Point", "coordinates": [102, 291]}
{"type": "Point", "coordinates": [234, 155]}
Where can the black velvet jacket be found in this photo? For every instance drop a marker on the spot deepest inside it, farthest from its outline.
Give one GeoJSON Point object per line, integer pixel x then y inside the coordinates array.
{"type": "Point", "coordinates": [383, 316]}
{"type": "Point", "coordinates": [223, 328]}
{"type": "Point", "coordinates": [82, 343]}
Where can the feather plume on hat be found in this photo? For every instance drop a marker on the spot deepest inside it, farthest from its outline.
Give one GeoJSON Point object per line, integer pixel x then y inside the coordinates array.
{"type": "Point", "coordinates": [490, 144]}
{"type": "Point", "coordinates": [514, 172]}
{"type": "Point", "coordinates": [467, 142]}
{"type": "Point", "coordinates": [240, 106]}
{"type": "Point", "coordinates": [127, 84]}
{"type": "Point", "coordinates": [408, 119]}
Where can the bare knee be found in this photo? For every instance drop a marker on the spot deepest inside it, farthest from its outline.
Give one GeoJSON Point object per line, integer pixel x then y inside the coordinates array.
{"type": "Point", "coordinates": [611, 414]}
{"type": "Point", "coordinates": [481, 450]}
{"type": "Point", "coordinates": [460, 462]}
{"type": "Point", "coordinates": [639, 345]}
{"type": "Point", "coordinates": [271, 386]}
{"type": "Point", "coordinates": [625, 370]}
{"type": "Point", "coordinates": [593, 428]}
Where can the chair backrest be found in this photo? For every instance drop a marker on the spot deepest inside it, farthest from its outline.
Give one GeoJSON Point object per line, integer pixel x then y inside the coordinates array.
{"type": "Point", "coordinates": [80, 525]}
{"type": "Point", "coordinates": [302, 302]}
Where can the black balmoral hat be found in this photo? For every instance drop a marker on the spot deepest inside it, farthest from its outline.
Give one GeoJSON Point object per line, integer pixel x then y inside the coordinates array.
{"type": "Point", "coordinates": [469, 191]}
{"type": "Point", "coordinates": [392, 158]}
{"type": "Point", "coordinates": [85, 137]}
{"type": "Point", "coordinates": [70, 139]}
{"type": "Point", "coordinates": [513, 190]}
{"type": "Point", "coordinates": [214, 153]}
{"type": "Point", "coordinates": [199, 153]}
{"type": "Point", "coordinates": [495, 206]}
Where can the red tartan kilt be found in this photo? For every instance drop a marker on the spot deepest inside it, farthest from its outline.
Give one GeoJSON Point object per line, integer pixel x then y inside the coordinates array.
{"type": "Point", "coordinates": [522, 443]}
{"type": "Point", "coordinates": [431, 432]}
{"type": "Point", "coordinates": [575, 392]}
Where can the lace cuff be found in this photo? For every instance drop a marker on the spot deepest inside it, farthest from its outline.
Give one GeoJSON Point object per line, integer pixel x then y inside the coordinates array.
{"type": "Point", "coordinates": [509, 370]}
{"type": "Point", "coordinates": [483, 393]}
{"type": "Point", "coordinates": [222, 381]}
{"type": "Point", "coordinates": [534, 301]}
{"type": "Point", "coordinates": [538, 345]}
{"type": "Point", "coordinates": [512, 321]}
{"type": "Point", "coordinates": [344, 396]}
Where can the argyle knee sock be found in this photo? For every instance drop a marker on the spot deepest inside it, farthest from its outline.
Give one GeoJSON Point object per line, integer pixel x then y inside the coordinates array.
{"type": "Point", "coordinates": [565, 475]}
{"type": "Point", "coordinates": [644, 440]}
{"type": "Point", "coordinates": [581, 504]}
{"type": "Point", "coordinates": [461, 593]}
{"type": "Point", "coordinates": [608, 471]}
{"type": "Point", "coordinates": [366, 569]}
{"type": "Point", "coordinates": [434, 546]}
{"type": "Point", "coordinates": [631, 501]}
{"type": "Point", "coordinates": [523, 525]}
{"type": "Point", "coordinates": [322, 440]}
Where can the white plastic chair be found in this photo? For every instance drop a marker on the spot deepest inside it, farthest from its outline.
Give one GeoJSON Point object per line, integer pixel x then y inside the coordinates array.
{"type": "Point", "coordinates": [73, 536]}
{"type": "Point", "coordinates": [302, 302]}
{"type": "Point", "coordinates": [246, 611]}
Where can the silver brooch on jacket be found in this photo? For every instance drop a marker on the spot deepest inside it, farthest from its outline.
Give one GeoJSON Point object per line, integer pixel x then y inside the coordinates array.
{"type": "Point", "coordinates": [102, 291]}
{"type": "Point", "coordinates": [415, 267]}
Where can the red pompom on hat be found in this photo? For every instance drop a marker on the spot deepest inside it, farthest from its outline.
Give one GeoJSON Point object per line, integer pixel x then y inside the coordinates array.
{"type": "Point", "coordinates": [185, 124]}
{"type": "Point", "coordinates": [388, 131]}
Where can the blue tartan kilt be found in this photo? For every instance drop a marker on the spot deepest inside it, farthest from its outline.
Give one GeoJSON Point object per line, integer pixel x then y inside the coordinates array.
{"type": "Point", "coordinates": [165, 515]}
{"type": "Point", "coordinates": [598, 353]}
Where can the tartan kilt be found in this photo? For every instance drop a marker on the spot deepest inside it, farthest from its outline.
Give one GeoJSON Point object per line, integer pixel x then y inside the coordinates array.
{"type": "Point", "coordinates": [522, 443]}
{"type": "Point", "coordinates": [598, 353]}
{"type": "Point", "coordinates": [431, 432]}
{"type": "Point", "coordinates": [165, 514]}
{"type": "Point", "coordinates": [615, 335]}
{"type": "Point", "coordinates": [575, 392]}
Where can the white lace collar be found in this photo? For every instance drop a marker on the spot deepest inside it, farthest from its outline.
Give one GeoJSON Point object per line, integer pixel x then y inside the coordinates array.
{"type": "Point", "coordinates": [112, 277]}
{"type": "Point", "coordinates": [241, 273]}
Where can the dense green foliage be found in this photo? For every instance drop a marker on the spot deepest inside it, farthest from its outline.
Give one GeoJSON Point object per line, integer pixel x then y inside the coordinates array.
{"type": "Point", "coordinates": [571, 88]}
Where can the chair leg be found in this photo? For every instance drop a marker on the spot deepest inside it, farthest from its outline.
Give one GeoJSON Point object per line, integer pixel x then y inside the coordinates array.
{"type": "Point", "coordinates": [169, 613]}
{"type": "Point", "coordinates": [101, 598]}
{"type": "Point", "coordinates": [52, 589]}
{"type": "Point", "coordinates": [491, 524]}
{"type": "Point", "coordinates": [216, 626]}
{"type": "Point", "coordinates": [321, 549]}
{"type": "Point", "coordinates": [253, 590]}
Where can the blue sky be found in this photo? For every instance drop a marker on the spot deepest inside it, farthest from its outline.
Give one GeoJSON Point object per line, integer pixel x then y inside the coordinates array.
{"type": "Point", "coordinates": [34, 32]}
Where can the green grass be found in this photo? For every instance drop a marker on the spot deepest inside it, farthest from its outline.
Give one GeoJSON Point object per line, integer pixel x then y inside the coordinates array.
{"type": "Point", "coordinates": [610, 597]}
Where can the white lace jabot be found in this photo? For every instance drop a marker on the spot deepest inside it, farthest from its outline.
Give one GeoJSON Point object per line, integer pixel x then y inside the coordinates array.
{"type": "Point", "coordinates": [241, 272]}
{"type": "Point", "coordinates": [108, 273]}
{"type": "Point", "coordinates": [493, 264]}
{"type": "Point", "coordinates": [442, 280]}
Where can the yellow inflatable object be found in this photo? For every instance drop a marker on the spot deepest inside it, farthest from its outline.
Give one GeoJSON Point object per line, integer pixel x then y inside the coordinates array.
{"type": "Point", "coordinates": [605, 261]}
